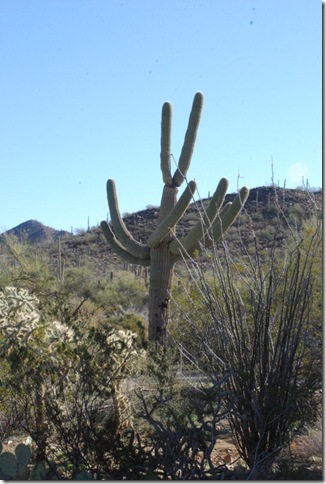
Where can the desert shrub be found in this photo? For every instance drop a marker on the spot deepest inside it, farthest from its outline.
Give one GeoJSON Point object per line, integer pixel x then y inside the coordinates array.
{"type": "Point", "coordinates": [19, 266]}
{"type": "Point", "coordinates": [86, 414]}
{"type": "Point", "coordinates": [253, 327]}
{"type": "Point", "coordinates": [63, 382]}
{"type": "Point", "coordinates": [125, 293]}
{"type": "Point", "coordinates": [304, 459]}
{"type": "Point", "coordinates": [178, 420]}
{"type": "Point", "coordinates": [79, 281]}
{"type": "Point", "coordinates": [135, 323]}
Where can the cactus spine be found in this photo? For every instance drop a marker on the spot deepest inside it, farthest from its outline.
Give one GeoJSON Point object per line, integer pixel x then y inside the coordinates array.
{"type": "Point", "coordinates": [163, 249]}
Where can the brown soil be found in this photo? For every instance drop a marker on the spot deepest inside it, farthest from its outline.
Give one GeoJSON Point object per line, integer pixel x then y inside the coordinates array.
{"type": "Point", "coordinates": [302, 461]}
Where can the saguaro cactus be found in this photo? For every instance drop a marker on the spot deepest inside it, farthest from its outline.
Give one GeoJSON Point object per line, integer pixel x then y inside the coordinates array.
{"type": "Point", "coordinates": [163, 249]}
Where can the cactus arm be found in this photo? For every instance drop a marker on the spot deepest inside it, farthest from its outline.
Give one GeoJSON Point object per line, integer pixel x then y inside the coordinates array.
{"type": "Point", "coordinates": [169, 222]}
{"type": "Point", "coordinates": [190, 138]}
{"type": "Point", "coordinates": [187, 246]}
{"type": "Point", "coordinates": [222, 222]}
{"type": "Point", "coordinates": [197, 232]}
{"type": "Point", "coordinates": [166, 143]}
{"type": "Point", "coordinates": [217, 200]}
{"type": "Point", "coordinates": [225, 219]}
{"type": "Point", "coordinates": [119, 249]}
{"type": "Point", "coordinates": [228, 216]}
{"type": "Point", "coordinates": [208, 218]}
{"type": "Point", "coordinates": [125, 238]}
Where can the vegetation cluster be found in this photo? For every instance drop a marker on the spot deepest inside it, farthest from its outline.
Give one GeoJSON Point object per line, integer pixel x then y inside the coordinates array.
{"type": "Point", "coordinates": [89, 397]}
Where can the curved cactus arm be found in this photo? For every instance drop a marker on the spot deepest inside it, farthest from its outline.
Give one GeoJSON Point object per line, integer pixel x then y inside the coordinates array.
{"type": "Point", "coordinates": [174, 216]}
{"type": "Point", "coordinates": [119, 249]}
{"type": "Point", "coordinates": [222, 222]}
{"type": "Point", "coordinates": [138, 250]}
{"type": "Point", "coordinates": [187, 246]}
{"type": "Point", "coordinates": [227, 217]}
{"type": "Point", "coordinates": [166, 143]}
{"type": "Point", "coordinates": [190, 138]}
{"type": "Point", "coordinates": [217, 200]}
{"type": "Point", "coordinates": [210, 214]}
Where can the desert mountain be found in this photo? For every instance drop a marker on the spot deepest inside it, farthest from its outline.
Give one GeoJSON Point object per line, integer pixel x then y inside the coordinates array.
{"type": "Point", "coordinates": [33, 231]}
{"type": "Point", "coordinates": [264, 206]}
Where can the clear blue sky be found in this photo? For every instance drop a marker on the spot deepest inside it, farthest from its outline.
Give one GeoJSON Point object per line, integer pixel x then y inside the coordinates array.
{"type": "Point", "coordinates": [83, 82]}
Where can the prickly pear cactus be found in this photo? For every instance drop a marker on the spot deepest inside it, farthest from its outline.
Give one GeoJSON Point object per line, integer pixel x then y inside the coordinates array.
{"type": "Point", "coordinates": [8, 466]}
{"type": "Point", "coordinates": [23, 454]}
{"type": "Point", "coordinates": [15, 466]}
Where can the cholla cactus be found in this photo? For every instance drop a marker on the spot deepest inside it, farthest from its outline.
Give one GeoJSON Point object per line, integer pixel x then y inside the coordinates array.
{"type": "Point", "coordinates": [121, 344]}
{"type": "Point", "coordinates": [122, 341]}
{"type": "Point", "coordinates": [19, 316]}
{"type": "Point", "coordinates": [121, 348]}
{"type": "Point", "coordinates": [20, 321]}
{"type": "Point", "coordinates": [52, 360]}
{"type": "Point", "coordinates": [26, 338]}
{"type": "Point", "coordinates": [58, 332]}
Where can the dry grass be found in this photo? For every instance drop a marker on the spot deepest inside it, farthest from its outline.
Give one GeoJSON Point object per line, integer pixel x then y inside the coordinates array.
{"type": "Point", "coordinates": [304, 459]}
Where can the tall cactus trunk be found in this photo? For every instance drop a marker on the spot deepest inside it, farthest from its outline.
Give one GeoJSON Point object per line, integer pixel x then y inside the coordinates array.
{"type": "Point", "coordinates": [163, 249]}
{"type": "Point", "coordinates": [162, 266]}
{"type": "Point", "coordinates": [159, 293]}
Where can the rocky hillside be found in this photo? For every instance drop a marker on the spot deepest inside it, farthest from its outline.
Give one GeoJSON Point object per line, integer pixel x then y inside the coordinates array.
{"type": "Point", "coordinates": [33, 231]}
{"type": "Point", "coordinates": [261, 214]}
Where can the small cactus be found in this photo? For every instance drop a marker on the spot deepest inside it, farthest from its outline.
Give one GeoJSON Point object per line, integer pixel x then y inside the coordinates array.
{"type": "Point", "coordinates": [8, 466]}
{"type": "Point", "coordinates": [23, 454]}
{"type": "Point", "coordinates": [15, 466]}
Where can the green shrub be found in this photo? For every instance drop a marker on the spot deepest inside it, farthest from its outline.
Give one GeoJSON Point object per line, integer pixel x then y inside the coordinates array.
{"type": "Point", "coordinates": [125, 293]}
{"type": "Point", "coordinates": [65, 380]}
{"type": "Point", "coordinates": [133, 322]}
{"type": "Point", "coordinates": [178, 420]}
{"type": "Point", "coordinates": [254, 325]}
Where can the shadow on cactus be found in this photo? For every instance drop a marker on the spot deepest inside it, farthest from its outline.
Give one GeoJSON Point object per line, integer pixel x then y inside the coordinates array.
{"type": "Point", "coordinates": [163, 249]}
